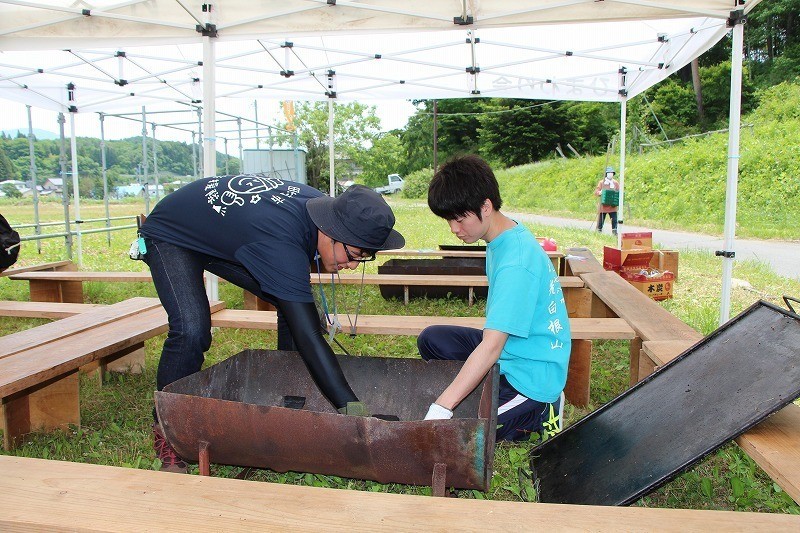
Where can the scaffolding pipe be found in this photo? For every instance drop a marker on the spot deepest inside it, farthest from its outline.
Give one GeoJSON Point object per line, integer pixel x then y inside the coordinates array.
{"type": "Point", "coordinates": [155, 160]}
{"type": "Point", "coordinates": [145, 177]}
{"type": "Point", "coordinates": [34, 185]}
{"type": "Point", "coordinates": [62, 161]}
{"type": "Point", "coordinates": [75, 186]}
{"type": "Point", "coordinates": [105, 176]}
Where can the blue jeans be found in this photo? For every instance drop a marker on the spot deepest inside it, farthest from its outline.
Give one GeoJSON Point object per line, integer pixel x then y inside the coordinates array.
{"type": "Point", "coordinates": [178, 278]}
{"type": "Point", "coordinates": [517, 415]}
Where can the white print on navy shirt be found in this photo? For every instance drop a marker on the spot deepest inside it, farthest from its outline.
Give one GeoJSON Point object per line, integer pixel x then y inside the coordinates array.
{"type": "Point", "coordinates": [244, 188]}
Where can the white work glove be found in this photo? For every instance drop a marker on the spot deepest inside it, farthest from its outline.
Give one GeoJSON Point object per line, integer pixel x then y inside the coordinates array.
{"type": "Point", "coordinates": [437, 412]}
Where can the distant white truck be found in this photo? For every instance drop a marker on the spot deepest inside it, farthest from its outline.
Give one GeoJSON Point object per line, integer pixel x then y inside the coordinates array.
{"type": "Point", "coordinates": [395, 184]}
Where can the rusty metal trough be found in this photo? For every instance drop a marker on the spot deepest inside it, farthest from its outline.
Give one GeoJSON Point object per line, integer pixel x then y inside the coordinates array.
{"type": "Point", "coordinates": [261, 409]}
{"type": "Point", "coordinates": [451, 266]}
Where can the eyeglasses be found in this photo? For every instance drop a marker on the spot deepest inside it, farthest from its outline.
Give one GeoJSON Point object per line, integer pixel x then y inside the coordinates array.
{"type": "Point", "coordinates": [366, 255]}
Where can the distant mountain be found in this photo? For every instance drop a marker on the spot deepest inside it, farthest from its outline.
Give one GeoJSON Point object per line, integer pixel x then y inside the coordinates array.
{"type": "Point", "coordinates": [39, 134]}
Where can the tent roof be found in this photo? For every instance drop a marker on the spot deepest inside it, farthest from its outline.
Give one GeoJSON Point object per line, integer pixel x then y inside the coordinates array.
{"type": "Point", "coordinates": [123, 54]}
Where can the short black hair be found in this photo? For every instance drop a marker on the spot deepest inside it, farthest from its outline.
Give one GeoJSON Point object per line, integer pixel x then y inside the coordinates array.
{"type": "Point", "coordinates": [461, 186]}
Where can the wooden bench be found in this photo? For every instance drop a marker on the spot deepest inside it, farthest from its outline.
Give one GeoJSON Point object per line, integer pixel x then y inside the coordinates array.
{"type": "Point", "coordinates": [583, 330]}
{"type": "Point", "coordinates": [68, 286]}
{"type": "Point", "coordinates": [650, 321]}
{"type": "Point", "coordinates": [428, 280]}
{"type": "Point", "coordinates": [39, 367]}
{"type": "Point", "coordinates": [49, 310]}
{"type": "Point", "coordinates": [41, 267]}
{"type": "Point", "coordinates": [40, 494]}
{"type": "Point", "coordinates": [774, 444]}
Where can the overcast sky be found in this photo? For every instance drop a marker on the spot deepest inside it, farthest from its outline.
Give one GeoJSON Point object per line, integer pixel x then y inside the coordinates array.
{"type": "Point", "coordinates": [393, 114]}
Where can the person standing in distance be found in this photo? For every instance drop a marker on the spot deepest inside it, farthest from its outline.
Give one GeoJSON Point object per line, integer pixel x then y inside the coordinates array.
{"type": "Point", "coordinates": [607, 183]}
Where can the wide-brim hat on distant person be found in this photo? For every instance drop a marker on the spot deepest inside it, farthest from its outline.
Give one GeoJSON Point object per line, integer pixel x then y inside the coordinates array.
{"type": "Point", "coordinates": [358, 217]}
{"type": "Point", "coordinates": [610, 170]}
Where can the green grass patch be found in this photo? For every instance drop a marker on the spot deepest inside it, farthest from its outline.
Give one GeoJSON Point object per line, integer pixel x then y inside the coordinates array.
{"type": "Point", "coordinates": [116, 415]}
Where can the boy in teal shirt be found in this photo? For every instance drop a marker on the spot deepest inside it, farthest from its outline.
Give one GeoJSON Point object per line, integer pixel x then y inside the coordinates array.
{"type": "Point", "coordinates": [527, 327]}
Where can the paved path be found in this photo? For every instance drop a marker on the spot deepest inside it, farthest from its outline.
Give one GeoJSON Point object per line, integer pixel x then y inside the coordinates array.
{"type": "Point", "coordinates": [782, 256]}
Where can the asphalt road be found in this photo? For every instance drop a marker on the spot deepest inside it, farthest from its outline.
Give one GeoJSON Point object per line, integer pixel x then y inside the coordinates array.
{"type": "Point", "coordinates": [782, 256]}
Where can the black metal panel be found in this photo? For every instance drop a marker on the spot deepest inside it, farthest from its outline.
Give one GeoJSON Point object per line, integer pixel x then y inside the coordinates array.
{"type": "Point", "coordinates": [716, 390]}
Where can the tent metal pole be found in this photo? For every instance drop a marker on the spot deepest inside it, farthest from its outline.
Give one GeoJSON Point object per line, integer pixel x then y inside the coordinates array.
{"type": "Point", "coordinates": [255, 110]}
{"type": "Point", "coordinates": [75, 186]}
{"type": "Point", "coordinates": [623, 122]}
{"type": "Point", "coordinates": [331, 148]}
{"type": "Point", "coordinates": [734, 123]}
{"type": "Point", "coordinates": [208, 133]}
{"type": "Point", "coordinates": [297, 177]}
{"type": "Point", "coordinates": [62, 161]}
{"type": "Point", "coordinates": [105, 176]}
{"type": "Point", "coordinates": [144, 163]}
{"type": "Point", "coordinates": [241, 151]}
{"type": "Point", "coordinates": [194, 156]}
{"type": "Point", "coordinates": [202, 154]}
{"type": "Point", "coordinates": [38, 229]}
{"type": "Point", "coordinates": [271, 152]}
{"type": "Point", "coordinates": [155, 159]}
{"type": "Point", "coordinates": [227, 157]}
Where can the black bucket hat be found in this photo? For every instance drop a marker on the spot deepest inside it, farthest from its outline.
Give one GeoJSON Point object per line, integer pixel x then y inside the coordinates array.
{"type": "Point", "coordinates": [358, 217]}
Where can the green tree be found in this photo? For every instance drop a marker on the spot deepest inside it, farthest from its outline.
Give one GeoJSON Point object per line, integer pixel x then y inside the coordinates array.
{"type": "Point", "coordinates": [10, 191]}
{"type": "Point", "coordinates": [525, 133]}
{"type": "Point", "coordinates": [385, 157]}
{"type": "Point", "coordinates": [7, 169]}
{"type": "Point", "coordinates": [354, 126]}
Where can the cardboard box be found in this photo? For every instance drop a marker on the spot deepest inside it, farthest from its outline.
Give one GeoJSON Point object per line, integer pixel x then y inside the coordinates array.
{"type": "Point", "coordinates": [665, 260]}
{"type": "Point", "coordinates": [620, 260]}
{"type": "Point", "coordinates": [656, 287]}
{"type": "Point", "coordinates": [640, 240]}
{"type": "Point", "coordinates": [637, 256]}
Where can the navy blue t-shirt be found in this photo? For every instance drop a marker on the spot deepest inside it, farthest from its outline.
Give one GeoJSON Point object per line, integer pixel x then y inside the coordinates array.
{"type": "Point", "coordinates": [257, 221]}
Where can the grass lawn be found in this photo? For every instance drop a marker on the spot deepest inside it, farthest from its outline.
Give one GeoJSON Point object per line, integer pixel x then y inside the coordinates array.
{"type": "Point", "coordinates": [116, 416]}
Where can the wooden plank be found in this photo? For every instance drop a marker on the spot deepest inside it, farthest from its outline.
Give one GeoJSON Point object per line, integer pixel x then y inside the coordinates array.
{"type": "Point", "coordinates": [579, 302]}
{"type": "Point", "coordinates": [579, 375]}
{"type": "Point", "coordinates": [24, 369]}
{"type": "Point", "coordinates": [50, 405]}
{"type": "Point", "coordinates": [581, 328]}
{"type": "Point", "coordinates": [650, 320]}
{"type": "Point", "coordinates": [774, 445]}
{"type": "Point", "coordinates": [47, 333]}
{"type": "Point", "coordinates": [55, 265]}
{"type": "Point", "coordinates": [580, 261]}
{"type": "Point", "coordinates": [55, 495]}
{"type": "Point", "coordinates": [85, 276]}
{"type": "Point", "coordinates": [662, 352]}
{"type": "Point", "coordinates": [44, 309]}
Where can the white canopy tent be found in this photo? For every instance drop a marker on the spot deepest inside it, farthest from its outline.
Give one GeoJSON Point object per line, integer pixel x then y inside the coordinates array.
{"type": "Point", "coordinates": [132, 53]}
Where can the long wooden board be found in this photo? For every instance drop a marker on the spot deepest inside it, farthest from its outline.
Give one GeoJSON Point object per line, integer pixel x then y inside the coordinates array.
{"type": "Point", "coordinates": [53, 495]}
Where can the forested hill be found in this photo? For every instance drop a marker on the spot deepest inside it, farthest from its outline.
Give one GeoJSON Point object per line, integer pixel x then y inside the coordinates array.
{"type": "Point", "coordinates": [683, 186]}
{"type": "Point", "coordinates": [123, 161]}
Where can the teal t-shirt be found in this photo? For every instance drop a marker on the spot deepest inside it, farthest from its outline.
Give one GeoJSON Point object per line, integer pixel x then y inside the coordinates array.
{"type": "Point", "coordinates": [526, 302]}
